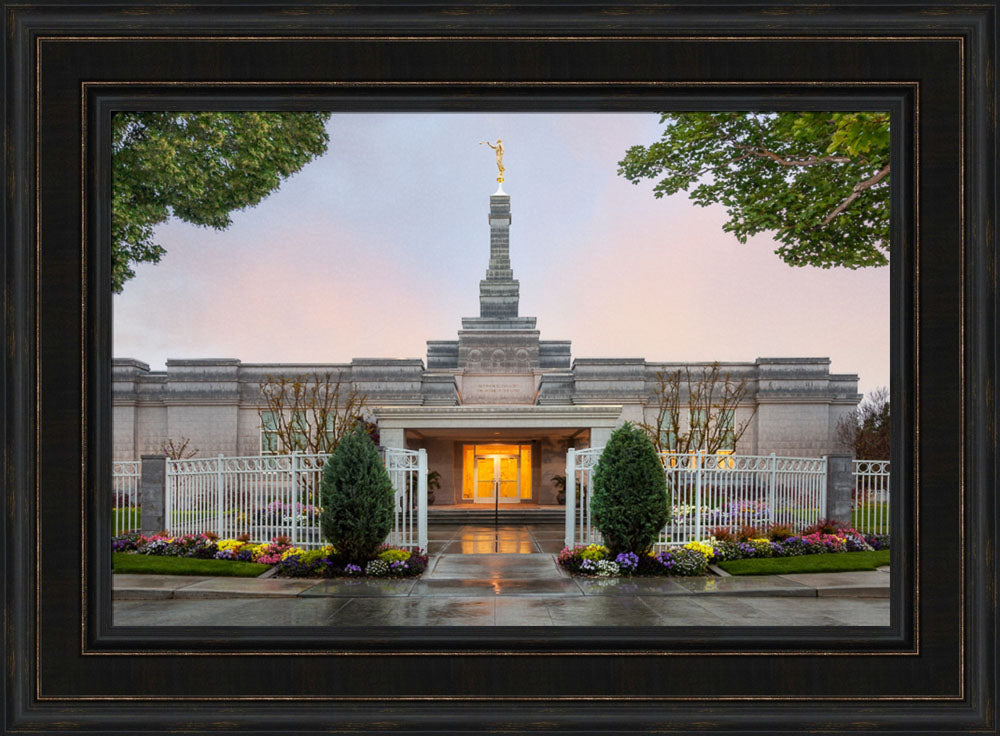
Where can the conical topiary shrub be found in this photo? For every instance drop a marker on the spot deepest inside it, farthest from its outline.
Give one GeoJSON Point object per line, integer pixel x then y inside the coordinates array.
{"type": "Point", "coordinates": [357, 498]}
{"type": "Point", "coordinates": [630, 504]}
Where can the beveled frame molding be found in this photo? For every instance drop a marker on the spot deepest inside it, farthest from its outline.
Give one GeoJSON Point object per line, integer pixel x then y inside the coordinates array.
{"type": "Point", "coordinates": [953, 318]}
{"type": "Point", "coordinates": [901, 98]}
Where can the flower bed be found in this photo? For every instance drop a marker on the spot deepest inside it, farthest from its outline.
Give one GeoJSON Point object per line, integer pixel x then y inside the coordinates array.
{"type": "Point", "coordinates": [290, 561]}
{"type": "Point", "coordinates": [389, 562]}
{"type": "Point", "coordinates": [595, 560]}
{"type": "Point", "coordinates": [824, 537]}
{"type": "Point", "coordinates": [204, 546]}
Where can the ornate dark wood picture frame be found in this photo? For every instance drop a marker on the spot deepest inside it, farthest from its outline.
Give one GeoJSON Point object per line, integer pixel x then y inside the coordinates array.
{"type": "Point", "coordinates": [68, 68]}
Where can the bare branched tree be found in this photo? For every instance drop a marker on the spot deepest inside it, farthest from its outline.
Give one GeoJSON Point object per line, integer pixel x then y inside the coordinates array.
{"type": "Point", "coordinates": [178, 450]}
{"type": "Point", "coordinates": [866, 429]}
{"type": "Point", "coordinates": [310, 412]}
{"type": "Point", "coordinates": [710, 398]}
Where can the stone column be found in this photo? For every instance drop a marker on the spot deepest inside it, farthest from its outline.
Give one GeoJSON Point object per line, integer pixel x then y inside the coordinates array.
{"type": "Point", "coordinates": [153, 493]}
{"type": "Point", "coordinates": [392, 437]}
{"type": "Point", "coordinates": [599, 436]}
{"type": "Point", "coordinates": [839, 484]}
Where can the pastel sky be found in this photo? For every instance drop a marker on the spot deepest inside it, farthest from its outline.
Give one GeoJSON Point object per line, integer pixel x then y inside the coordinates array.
{"type": "Point", "coordinates": [379, 245]}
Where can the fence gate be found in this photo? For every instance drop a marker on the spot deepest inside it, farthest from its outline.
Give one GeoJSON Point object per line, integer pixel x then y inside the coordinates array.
{"type": "Point", "coordinates": [579, 484]}
{"type": "Point", "coordinates": [870, 500]}
{"type": "Point", "coordinates": [126, 501]}
{"type": "Point", "coordinates": [270, 495]}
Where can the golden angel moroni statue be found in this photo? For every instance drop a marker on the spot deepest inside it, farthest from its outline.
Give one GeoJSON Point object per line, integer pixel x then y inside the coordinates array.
{"type": "Point", "coordinates": [499, 149]}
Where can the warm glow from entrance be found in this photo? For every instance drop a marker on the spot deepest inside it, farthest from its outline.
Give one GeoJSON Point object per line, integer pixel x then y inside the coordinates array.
{"type": "Point", "coordinates": [486, 468]}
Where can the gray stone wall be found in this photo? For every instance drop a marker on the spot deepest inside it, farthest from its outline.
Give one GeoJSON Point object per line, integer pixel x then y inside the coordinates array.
{"type": "Point", "coordinates": [151, 428]}
{"type": "Point", "coordinates": [442, 354]}
{"type": "Point", "coordinates": [213, 429]}
{"type": "Point", "coordinates": [552, 452]}
{"type": "Point", "coordinates": [123, 429]}
{"type": "Point", "coordinates": [498, 351]}
{"type": "Point", "coordinates": [215, 403]}
{"type": "Point", "coordinates": [248, 430]}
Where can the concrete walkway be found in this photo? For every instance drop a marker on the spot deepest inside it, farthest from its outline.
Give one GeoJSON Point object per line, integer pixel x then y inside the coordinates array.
{"type": "Point", "coordinates": [506, 590]}
{"type": "Point", "coordinates": [487, 539]}
{"type": "Point", "coordinates": [507, 576]}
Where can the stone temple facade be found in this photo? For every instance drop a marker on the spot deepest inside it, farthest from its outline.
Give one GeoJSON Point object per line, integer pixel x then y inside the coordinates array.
{"type": "Point", "coordinates": [496, 409]}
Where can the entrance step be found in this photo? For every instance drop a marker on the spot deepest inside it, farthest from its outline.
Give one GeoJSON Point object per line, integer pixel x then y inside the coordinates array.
{"type": "Point", "coordinates": [538, 566]}
{"type": "Point", "coordinates": [446, 515]}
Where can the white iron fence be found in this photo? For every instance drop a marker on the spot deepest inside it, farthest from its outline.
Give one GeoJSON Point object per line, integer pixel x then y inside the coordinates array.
{"type": "Point", "coordinates": [870, 500]}
{"type": "Point", "coordinates": [266, 496]}
{"type": "Point", "coordinates": [261, 495]}
{"type": "Point", "coordinates": [126, 502]}
{"type": "Point", "coordinates": [734, 491]}
{"type": "Point", "coordinates": [710, 491]}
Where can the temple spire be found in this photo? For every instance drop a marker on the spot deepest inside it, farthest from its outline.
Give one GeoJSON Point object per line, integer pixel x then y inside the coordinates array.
{"type": "Point", "coordinates": [499, 291]}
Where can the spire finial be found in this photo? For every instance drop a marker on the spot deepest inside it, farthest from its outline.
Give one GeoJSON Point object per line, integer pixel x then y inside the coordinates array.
{"type": "Point", "coordinates": [499, 150]}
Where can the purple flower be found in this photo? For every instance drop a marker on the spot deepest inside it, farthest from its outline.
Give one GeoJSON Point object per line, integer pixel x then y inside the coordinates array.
{"type": "Point", "coordinates": [666, 559]}
{"type": "Point", "coordinates": [627, 561]}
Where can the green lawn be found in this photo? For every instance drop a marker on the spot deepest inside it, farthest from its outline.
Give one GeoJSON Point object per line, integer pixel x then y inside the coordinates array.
{"type": "Point", "coordinates": [872, 512]}
{"type": "Point", "coordinates": [830, 562]}
{"type": "Point", "coordinates": [124, 562]}
{"type": "Point", "coordinates": [123, 517]}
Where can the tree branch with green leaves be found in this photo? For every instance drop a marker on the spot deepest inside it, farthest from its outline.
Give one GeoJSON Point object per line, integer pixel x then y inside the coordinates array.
{"type": "Point", "coordinates": [199, 167]}
{"type": "Point", "coordinates": [818, 182]}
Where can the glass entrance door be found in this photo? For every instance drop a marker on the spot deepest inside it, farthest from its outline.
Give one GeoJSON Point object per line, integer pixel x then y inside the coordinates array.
{"type": "Point", "coordinates": [480, 463]}
{"type": "Point", "coordinates": [497, 475]}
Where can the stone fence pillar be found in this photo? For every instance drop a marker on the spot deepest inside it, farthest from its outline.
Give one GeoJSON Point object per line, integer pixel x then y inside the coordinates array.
{"type": "Point", "coordinates": [153, 493]}
{"type": "Point", "coordinates": [839, 484]}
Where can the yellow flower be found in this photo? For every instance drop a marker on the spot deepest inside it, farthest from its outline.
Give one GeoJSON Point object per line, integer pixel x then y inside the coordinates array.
{"type": "Point", "coordinates": [292, 551]}
{"type": "Point", "coordinates": [705, 549]}
{"type": "Point", "coordinates": [394, 555]}
{"type": "Point", "coordinates": [594, 552]}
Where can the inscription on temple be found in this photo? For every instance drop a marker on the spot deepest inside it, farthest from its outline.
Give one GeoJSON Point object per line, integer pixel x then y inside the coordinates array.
{"type": "Point", "coordinates": [497, 390]}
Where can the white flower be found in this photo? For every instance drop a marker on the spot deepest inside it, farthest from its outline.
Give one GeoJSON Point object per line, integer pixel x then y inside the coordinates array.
{"type": "Point", "coordinates": [606, 568]}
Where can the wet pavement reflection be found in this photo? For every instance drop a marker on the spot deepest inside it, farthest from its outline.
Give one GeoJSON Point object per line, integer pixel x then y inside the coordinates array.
{"type": "Point", "coordinates": [479, 575]}
{"type": "Point", "coordinates": [504, 539]}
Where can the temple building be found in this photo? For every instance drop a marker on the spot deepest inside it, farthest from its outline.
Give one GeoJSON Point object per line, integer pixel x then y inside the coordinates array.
{"type": "Point", "coordinates": [496, 409]}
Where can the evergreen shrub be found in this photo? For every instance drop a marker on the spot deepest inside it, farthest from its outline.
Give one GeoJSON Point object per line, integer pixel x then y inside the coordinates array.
{"type": "Point", "coordinates": [357, 498]}
{"type": "Point", "coordinates": [630, 503]}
